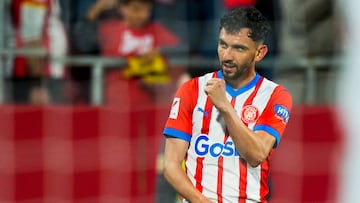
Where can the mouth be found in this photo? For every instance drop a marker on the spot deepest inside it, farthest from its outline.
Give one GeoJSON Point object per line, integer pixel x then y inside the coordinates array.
{"type": "Point", "coordinates": [228, 67]}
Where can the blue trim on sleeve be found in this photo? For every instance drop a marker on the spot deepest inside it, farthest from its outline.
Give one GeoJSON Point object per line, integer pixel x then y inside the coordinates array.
{"type": "Point", "coordinates": [177, 133]}
{"type": "Point", "coordinates": [271, 131]}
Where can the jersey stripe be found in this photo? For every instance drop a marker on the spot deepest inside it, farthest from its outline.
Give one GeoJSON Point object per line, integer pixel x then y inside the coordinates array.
{"type": "Point", "coordinates": [221, 165]}
{"type": "Point", "coordinates": [204, 130]}
{"type": "Point", "coordinates": [243, 163]}
{"type": "Point", "coordinates": [253, 94]}
{"type": "Point", "coordinates": [220, 178]}
{"type": "Point", "coordinates": [243, 180]}
{"type": "Point", "coordinates": [198, 173]}
{"type": "Point", "coordinates": [264, 179]}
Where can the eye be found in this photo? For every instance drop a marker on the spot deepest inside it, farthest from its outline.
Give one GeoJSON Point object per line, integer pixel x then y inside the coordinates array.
{"type": "Point", "coordinates": [222, 44]}
{"type": "Point", "coordinates": [239, 48]}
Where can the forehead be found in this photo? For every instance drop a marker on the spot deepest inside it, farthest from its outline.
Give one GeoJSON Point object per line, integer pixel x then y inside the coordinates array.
{"type": "Point", "coordinates": [240, 37]}
{"type": "Point", "coordinates": [137, 5]}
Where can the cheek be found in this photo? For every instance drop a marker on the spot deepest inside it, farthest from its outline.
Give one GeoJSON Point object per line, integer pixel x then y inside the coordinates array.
{"type": "Point", "coordinates": [220, 53]}
{"type": "Point", "coordinates": [248, 57]}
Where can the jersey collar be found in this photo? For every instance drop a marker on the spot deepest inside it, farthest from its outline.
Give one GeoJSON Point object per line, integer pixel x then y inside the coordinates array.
{"type": "Point", "coordinates": [235, 93]}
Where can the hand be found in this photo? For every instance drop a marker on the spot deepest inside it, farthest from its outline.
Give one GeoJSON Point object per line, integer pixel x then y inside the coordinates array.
{"type": "Point", "coordinates": [215, 89]}
{"type": "Point", "coordinates": [204, 200]}
{"type": "Point", "coordinates": [150, 55]}
{"type": "Point", "coordinates": [100, 5]}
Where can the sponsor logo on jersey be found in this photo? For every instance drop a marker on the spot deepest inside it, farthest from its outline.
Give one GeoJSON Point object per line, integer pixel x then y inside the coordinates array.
{"type": "Point", "coordinates": [206, 113]}
{"type": "Point", "coordinates": [282, 113]}
{"type": "Point", "coordinates": [174, 112]}
{"type": "Point", "coordinates": [249, 114]}
{"type": "Point", "coordinates": [204, 147]}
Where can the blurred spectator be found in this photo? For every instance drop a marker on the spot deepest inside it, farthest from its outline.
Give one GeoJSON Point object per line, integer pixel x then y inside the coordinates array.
{"type": "Point", "coordinates": [139, 40]}
{"type": "Point", "coordinates": [82, 19]}
{"type": "Point", "coordinates": [308, 31]}
{"type": "Point", "coordinates": [35, 79]}
{"type": "Point", "coordinates": [146, 81]}
{"type": "Point", "coordinates": [308, 28]}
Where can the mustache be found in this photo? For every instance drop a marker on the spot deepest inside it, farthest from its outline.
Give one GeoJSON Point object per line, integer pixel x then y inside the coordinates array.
{"type": "Point", "coordinates": [228, 63]}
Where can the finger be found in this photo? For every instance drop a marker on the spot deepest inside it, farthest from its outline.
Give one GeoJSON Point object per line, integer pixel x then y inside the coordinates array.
{"type": "Point", "coordinates": [211, 81]}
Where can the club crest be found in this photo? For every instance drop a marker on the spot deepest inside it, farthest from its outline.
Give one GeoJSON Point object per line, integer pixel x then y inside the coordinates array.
{"type": "Point", "coordinates": [249, 114]}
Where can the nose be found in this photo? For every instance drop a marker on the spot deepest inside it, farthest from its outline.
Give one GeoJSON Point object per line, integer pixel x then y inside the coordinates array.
{"type": "Point", "coordinates": [227, 54]}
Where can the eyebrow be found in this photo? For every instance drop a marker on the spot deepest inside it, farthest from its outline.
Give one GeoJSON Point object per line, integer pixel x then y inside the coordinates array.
{"type": "Point", "coordinates": [235, 46]}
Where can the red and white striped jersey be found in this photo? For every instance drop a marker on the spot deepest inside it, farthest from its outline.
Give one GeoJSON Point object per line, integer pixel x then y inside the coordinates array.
{"type": "Point", "coordinates": [213, 164]}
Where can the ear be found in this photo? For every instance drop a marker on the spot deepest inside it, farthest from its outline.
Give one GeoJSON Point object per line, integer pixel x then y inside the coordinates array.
{"type": "Point", "coordinates": [261, 52]}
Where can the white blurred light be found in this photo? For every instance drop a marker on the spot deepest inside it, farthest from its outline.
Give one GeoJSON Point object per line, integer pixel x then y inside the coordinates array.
{"type": "Point", "coordinates": [349, 100]}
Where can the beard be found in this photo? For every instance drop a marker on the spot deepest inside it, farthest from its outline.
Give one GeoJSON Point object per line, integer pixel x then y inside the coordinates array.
{"type": "Point", "coordinates": [237, 71]}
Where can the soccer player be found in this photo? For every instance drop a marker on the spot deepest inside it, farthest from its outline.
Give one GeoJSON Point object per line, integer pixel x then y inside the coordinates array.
{"type": "Point", "coordinates": [225, 124]}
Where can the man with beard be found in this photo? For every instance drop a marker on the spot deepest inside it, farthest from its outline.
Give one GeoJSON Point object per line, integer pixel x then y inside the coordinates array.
{"type": "Point", "coordinates": [224, 125]}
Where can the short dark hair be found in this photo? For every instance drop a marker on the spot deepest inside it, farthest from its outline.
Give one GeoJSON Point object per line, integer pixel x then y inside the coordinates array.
{"type": "Point", "coordinates": [246, 17]}
{"type": "Point", "coordinates": [125, 2]}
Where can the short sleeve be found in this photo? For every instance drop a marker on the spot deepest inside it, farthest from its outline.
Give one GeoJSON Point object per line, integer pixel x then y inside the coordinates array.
{"type": "Point", "coordinates": [276, 114]}
{"type": "Point", "coordinates": [179, 122]}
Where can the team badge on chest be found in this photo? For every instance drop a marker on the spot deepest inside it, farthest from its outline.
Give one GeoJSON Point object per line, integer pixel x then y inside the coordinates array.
{"type": "Point", "coordinates": [249, 114]}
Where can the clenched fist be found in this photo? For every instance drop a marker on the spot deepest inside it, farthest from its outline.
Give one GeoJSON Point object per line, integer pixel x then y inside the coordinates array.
{"type": "Point", "coordinates": [215, 88]}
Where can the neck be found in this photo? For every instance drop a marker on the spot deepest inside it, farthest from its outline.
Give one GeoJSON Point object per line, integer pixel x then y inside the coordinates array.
{"type": "Point", "coordinates": [241, 81]}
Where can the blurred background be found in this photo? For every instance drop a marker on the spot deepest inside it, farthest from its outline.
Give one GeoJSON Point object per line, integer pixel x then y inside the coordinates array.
{"type": "Point", "coordinates": [86, 86]}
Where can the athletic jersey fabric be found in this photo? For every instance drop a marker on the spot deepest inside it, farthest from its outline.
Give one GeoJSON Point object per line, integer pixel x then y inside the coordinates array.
{"type": "Point", "coordinates": [39, 20]}
{"type": "Point", "coordinates": [213, 164]}
{"type": "Point", "coordinates": [118, 39]}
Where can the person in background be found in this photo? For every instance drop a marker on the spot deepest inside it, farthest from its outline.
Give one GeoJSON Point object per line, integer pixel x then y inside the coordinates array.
{"type": "Point", "coordinates": [146, 81]}
{"type": "Point", "coordinates": [226, 124]}
{"type": "Point", "coordinates": [139, 40]}
{"type": "Point", "coordinates": [81, 20]}
{"type": "Point", "coordinates": [36, 79]}
{"type": "Point", "coordinates": [309, 32]}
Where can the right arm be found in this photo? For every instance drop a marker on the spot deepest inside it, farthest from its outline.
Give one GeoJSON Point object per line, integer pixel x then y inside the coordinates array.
{"type": "Point", "coordinates": [99, 6]}
{"type": "Point", "coordinates": [175, 151]}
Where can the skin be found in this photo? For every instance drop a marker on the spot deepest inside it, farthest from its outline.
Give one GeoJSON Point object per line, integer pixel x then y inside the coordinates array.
{"type": "Point", "coordinates": [238, 54]}
{"type": "Point", "coordinates": [136, 14]}
{"type": "Point", "coordinates": [100, 5]}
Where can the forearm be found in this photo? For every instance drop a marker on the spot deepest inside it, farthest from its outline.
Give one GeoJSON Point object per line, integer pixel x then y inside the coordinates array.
{"type": "Point", "coordinates": [247, 142]}
{"type": "Point", "coordinates": [94, 12]}
{"type": "Point", "coordinates": [35, 64]}
{"type": "Point", "coordinates": [177, 177]}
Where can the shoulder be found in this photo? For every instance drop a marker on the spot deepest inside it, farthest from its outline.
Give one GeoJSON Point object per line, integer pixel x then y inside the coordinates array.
{"type": "Point", "coordinates": [277, 93]}
{"type": "Point", "coordinates": [189, 85]}
{"type": "Point", "coordinates": [281, 97]}
{"type": "Point", "coordinates": [275, 87]}
{"type": "Point", "coordinates": [112, 24]}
